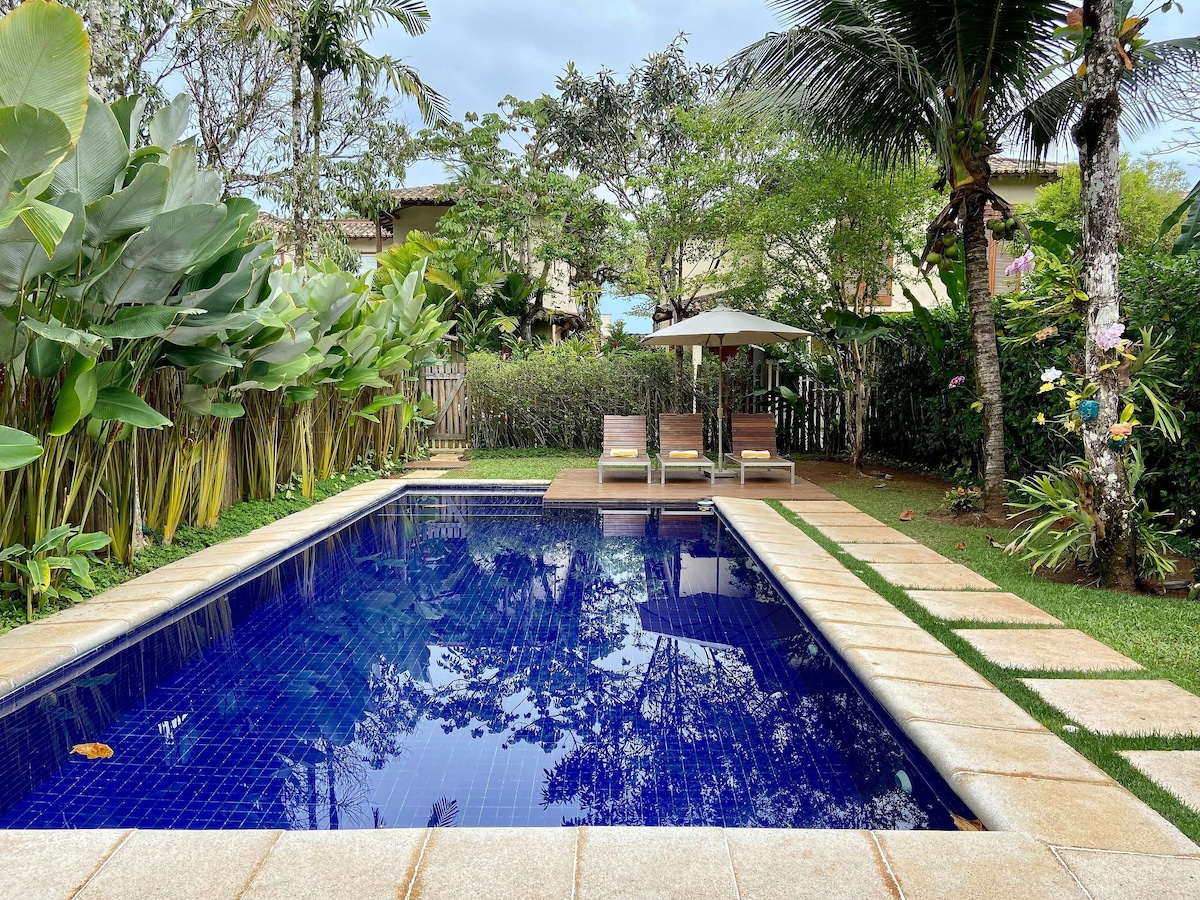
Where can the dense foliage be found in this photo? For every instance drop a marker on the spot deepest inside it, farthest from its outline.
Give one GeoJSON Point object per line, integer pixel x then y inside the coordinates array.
{"type": "Point", "coordinates": [155, 364]}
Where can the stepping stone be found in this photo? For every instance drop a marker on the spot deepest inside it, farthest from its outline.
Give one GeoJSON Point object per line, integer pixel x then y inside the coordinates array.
{"type": "Point", "coordinates": [1059, 649]}
{"type": "Point", "coordinates": [1177, 771]}
{"type": "Point", "coordinates": [895, 553]}
{"type": "Point", "coordinates": [803, 507]}
{"type": "Point", "coordinates": [981, 606]}
{"type": "Point", "coordinates": [984, 708]}
{"type": "Point", "coordinates": [425, 473]}
{"type": "Point", "coordinates": [943, 576]}
{"type": "Point", "coordinates": [865, 534]}
{"type": "Point", "coordinates": [1133, 876]}
{"type": "Point", "coordinates": [842, 520]}
{"type": "Point", "coordinates": [1124, 707]}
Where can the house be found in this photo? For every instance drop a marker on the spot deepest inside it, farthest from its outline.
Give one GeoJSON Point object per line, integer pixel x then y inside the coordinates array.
{"type": "Point", "coordinates": [1017, 181]}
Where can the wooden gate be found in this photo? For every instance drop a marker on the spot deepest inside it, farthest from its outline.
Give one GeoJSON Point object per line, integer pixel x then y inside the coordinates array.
{"type": "Point", "coordinates": [447, 385]}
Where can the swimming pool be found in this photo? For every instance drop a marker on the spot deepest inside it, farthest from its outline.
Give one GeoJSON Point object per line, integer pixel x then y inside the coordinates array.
{"type": "Point", "coordinates": [477, 660]}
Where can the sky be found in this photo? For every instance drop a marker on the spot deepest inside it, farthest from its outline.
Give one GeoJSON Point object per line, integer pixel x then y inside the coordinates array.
{"type": "Point", "coordinates": [478, 51]}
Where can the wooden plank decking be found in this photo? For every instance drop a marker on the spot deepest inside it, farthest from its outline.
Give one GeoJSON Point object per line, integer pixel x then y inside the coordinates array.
{"type": "Point", "coordinates": [629, 487]}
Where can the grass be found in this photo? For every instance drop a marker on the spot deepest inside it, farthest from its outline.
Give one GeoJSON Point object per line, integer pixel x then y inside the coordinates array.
{"type": "Point", "coordinates": [239, 519]}
{"type": "Point", "coordinates": [540, 464]}
{"type": "Point", "coordinates": [1157, 632]}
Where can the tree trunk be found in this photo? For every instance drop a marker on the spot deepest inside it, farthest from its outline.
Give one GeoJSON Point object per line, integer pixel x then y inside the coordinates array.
{"type": "Point", "coordinates": [98, 22]}
{"type": "Point", "coordinates": [1098, 140]}
{"type": "Point", "coordinates": [987, 358]}
{"type": "Point", "coordinates": [299, 224]}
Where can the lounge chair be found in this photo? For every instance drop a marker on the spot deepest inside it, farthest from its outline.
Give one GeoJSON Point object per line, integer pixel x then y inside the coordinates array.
{"type": "Point", "coordinates": [682, 435]}
{"type": "Point", "coordinates": [624, 445]}
{"type": "Point", "coordinates": [756, 433]}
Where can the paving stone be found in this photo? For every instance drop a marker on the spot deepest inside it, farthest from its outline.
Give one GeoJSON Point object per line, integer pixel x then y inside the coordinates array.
{"type": "Point", "coordinates": [81, 636]}
{"type": "Point", "coordinates": [363, 864]}
{"type": "Point", "coordinates": [181, 865]}
{"type": "Point", "coordinates": [975, 866]}
{"type": "Point", "coordinates": [804, 507]}
{"type": "Point", "coordinates": [907, 636]}
{"type": "Point", "coordinates": [833, 593]}
{"type": "Point", "coordinates": [1034, 754]}
{"type": "Point", "coordinates": [1126, 707]}
{"type": "Point", "coordinates": [629, 863]}
{"type": "Point", "coordinates": [895, 553]}
{"type": "Point", "coordinates": [52, 865]}
{"type": "Point", "coordinates": [1134, 876]}
{"type": "Point", "coordinates": [132, 612]}
{"type": "Point", "coordinates": [863, 534]}
{"type": "Point", "coordinates": [1057, 649]}
{"type": "Point", "coordinates": [945, 576]}
{"type": "Point", "coordinates": [834, 574]}
{"type": "Point", "coordinates": [981, 606]}
{"type": "Point", "coordinates": [810, 864]}
{"type": "Point", "coordinates": [1177, 771]}
{"type": "Point", "coordinates": [981, 707]}
{"type": "Point", "coordinates": [878, 613]}
{"type": "Point", "coordinates": [1070, 813]}
{"type": "Point", "coordinates": [870, 664]}
{"type": "Point", "coordinates": [497, 863]}
{"type": "Point", "coordinates": [21, 665]}
{"type": "Point", "coordinates": [840, 519]}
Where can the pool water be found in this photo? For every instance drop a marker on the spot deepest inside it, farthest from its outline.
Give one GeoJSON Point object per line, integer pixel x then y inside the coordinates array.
{"type": "Point", "coordinates": [474, 660]}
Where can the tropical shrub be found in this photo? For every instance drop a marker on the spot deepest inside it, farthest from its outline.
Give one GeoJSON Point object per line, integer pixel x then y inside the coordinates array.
{"type": "Point", "coordinates": [154, 365]}
{"type": "Point", "coordinates": [558, 397]}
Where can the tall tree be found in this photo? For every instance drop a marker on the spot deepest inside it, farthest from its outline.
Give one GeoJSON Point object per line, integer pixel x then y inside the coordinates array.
{"type": "Point", "coordinates": [896, 81]}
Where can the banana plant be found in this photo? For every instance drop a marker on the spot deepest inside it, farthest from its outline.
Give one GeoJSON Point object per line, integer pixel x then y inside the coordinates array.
{"type": "Point", "coordinates": [58, 565]}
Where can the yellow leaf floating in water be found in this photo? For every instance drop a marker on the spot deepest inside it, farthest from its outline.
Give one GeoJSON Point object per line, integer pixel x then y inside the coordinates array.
{"type": "Point", "coordinates": [93, 750]}
{"type": "Point", "coordinates": [964, 824]}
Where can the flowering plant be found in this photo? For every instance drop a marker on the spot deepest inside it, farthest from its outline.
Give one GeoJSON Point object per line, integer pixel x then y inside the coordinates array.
{"type": "Point", "coordinates": [957, 381]}
{"type": "Point", "coordinates": [1022, 264]}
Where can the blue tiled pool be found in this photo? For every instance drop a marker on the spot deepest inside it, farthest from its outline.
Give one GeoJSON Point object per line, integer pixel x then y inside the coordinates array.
{"type": "Point", "coordinates": [481, 661]}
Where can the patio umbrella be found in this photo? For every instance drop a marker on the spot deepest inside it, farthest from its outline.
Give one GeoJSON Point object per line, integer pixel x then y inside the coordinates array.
{"type": "Point", "coordinates": [719, 328]}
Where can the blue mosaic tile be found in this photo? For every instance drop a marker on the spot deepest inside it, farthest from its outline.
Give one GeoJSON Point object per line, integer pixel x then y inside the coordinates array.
{"type": "Point", "coordinates": [519, 665]}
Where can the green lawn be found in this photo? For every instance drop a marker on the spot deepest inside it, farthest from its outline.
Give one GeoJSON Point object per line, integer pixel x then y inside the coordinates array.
{"type": "Point", "coordinates": [1163, 634]}
{"type": "Point", "coordinates": [539, 464]}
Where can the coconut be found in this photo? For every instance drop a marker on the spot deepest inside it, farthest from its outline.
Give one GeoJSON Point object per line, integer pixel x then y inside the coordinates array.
{"type": "Point", "coordinates": [933, 257]}
{"type": "Point", "coordinates": [951, 252]}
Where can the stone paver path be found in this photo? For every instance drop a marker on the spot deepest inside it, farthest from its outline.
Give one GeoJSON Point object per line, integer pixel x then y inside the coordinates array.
{"type": "Point", "coordinates": [981, 606]}
{"type": "Point", "coordinates": [1037, 649]}
{"type": "Point", "coordinates": [1177, 771]}
{"type": "Point", "coordinates": [894, 553]}
{"type": "Point", "coordinates": [947, 576]}
{"type": "Point", "coordinates": [1126, 707]}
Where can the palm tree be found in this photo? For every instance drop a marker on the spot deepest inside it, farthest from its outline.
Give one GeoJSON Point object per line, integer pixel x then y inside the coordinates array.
{"type": "Point", "coordinates": [895, 81]}
{"type": "Point", "coordinates": [332, 43]}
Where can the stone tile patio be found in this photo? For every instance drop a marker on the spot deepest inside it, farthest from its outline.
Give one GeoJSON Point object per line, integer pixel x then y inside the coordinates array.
{"type": "Point", "coordinates": [1057, 649]}
{"type": "Point", "coordinates": [1127, 707]}
{"type": "Point", "coordinates": [981, 606]}
{"type": "Point", "coordinates": [1177, 771]}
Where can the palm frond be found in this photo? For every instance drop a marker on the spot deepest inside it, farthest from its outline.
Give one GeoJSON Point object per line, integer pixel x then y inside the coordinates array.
{"type": "Point", "coordinates": [1044, 120]}
{"type": "Point", "coordinates": [412, 15]}
{"type": "Point", "coordinates": [435, 109]}
{"type": "Point", "coordinates": [1163, 84]}
{"type": "Point", "coordinates": [860, 87]}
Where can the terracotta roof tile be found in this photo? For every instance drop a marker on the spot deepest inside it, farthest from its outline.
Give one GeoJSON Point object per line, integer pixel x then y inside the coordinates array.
{"type": "Point", "coordinates": [422, 194]}
{"type": "Point", "coordinates": [1007, 165]}
{"type": "Point", "coordinates": [361, 229]}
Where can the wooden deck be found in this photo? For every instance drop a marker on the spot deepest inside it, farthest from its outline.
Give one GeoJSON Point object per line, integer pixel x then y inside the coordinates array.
{"type": "Point", "coordinates": [629, 487]}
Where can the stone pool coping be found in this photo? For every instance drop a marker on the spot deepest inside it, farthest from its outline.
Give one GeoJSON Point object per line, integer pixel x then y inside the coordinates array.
{"type": "Point", "coordinates": [1058, 826]}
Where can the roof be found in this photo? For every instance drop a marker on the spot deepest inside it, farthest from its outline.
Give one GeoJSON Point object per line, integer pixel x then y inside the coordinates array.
{"type": "Point", "coordinates": [423, 195]}
{"type": "Point", "coordinates": [361, 229]}
{"type": "Point", "coordinates": [1007, 165]}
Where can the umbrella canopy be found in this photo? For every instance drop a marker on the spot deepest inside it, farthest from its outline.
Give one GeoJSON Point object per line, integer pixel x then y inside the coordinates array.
{"type": "Point", "coordinates": [724, 327]}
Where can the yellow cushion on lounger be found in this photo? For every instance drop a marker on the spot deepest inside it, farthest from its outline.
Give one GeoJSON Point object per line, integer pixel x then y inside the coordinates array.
{"type": "Point", "coordinates": [623, 453]}
{"type": "Point", "coordinates": [684, 454]}
{"type": "Point", "coordinates": [756, 454]}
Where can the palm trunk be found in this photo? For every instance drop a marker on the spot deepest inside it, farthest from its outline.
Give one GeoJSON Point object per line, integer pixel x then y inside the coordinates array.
{"type": "Point", "coordinates": [299, 224]}
{"type": "Point", "coordinates": [987, 358]}
{"type": "Point", "coordinates": [1099, 168]}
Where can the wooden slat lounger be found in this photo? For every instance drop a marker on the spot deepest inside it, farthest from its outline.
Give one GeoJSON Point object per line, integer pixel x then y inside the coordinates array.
{"type": "Point", "coordinates": [624, 432]}
{"type": "Point", "coordinates": [757, 432]}
{"type": "Point", "coordinates": [682, 433]}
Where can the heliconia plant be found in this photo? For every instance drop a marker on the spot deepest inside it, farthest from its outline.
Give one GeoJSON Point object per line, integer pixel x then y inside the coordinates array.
{"type": "Point", "coordinates": [157, 365]}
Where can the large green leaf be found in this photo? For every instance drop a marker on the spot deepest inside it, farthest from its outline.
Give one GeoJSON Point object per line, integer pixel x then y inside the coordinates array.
{"type": "Point", "coordinates": [190, 184]}
{"type": "Point", "coordinates": [132, 322]}
{"type": "Point", "coordinates": [22, 257]}
{"type": "Point", "coordinates": [17, 448]}
{"type": "Point", "coordinates": [99, 158]}
{"type": "Point", "coordinates": [48, 224]}
{"type": "Point", "coordinates": [31, 142]}
{"type": "Point", "coordinates": [130, 209]}
{"type": "Point", "coordinates": [44, 358]}
{"type": "Point", "coordinates": [81, 341]}
{"type": "Point", "coordinates": [125, 406]}
{"type": "Point", "coordinates": [154, 260]}
{"type": "Point", "coordinates": [44, 62]}
{"type": "Point", "coordinates": [1189, 235]}
{"type": "Point", "coordinates": [166, 125]}
{"type": "Point", "coordinates": [78, 394]}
